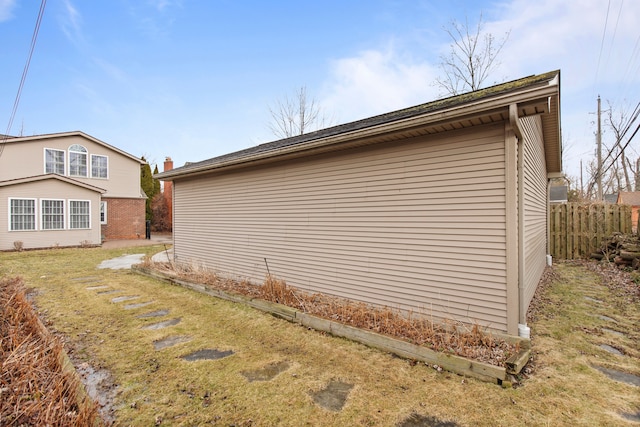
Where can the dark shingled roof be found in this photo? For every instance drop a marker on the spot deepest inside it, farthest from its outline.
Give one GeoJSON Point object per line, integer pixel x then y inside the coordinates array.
{"type": "Point", "coordinates": [381, 119]}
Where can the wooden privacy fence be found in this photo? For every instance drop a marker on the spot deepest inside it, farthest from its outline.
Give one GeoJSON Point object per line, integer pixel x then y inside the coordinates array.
{"type": "Point", "coordinates": [577, 230]}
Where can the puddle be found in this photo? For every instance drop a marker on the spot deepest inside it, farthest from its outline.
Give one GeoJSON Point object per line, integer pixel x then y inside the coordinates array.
{"type": "Point", "coordinates": [333, 397]}
{"type": "Point", "coordinates": [207, 354]}
{"type": "Point", "coordinates": [170, 342]}
{"type": "Point", "coordinates": [165, 324]}
{"type": "Point", "coordinates": [95, 288]}
{"type": "Point", "coordinates": [607, 319]}
{"type": "Point", "coordinates": [157, 313]}
{"type": "Point", "coordinates": [121, 299]}
{"type": "Point", "coordinates": [267, 373]}
{"type": "Point", "coordinates": [611, 349]}
{"type": "Point", "coordinates": [137, 305]}
{"type": "Point", "coordinates": [417, 420]}
{"type": "Point", "coordinates": [112, 291]}
{"type": "Point", "coordinates": [99, 386]}
{"type": "Point", "coordinates": [611, 331]}
{"type": "Point", "coordinates": [620, 376]}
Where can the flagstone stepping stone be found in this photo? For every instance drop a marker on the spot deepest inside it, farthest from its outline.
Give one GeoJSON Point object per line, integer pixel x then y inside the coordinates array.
{"type": "Point", "coordinates": [164, 324]}
{"type": "Point", "coordinates": [620, 376]}
{"type": "Point", "coordinates": [170, 341]}
{"type": "Point", "coordinates": [607, 319]}
{"type": "Point", "coordinates": [157, 313]}
{"type": "Point", "coordinates": [122, 299]}
{"type": "Point", "coordinates": [95, 288]}
{"type": "Point", "coordinates": [267, 373]}
{"type": "Point", "coordinates": [333, 396]}
{"type": "Point", "coordinates": [207, 354]}
{"type": "Point", "coordinates": [137, 305]}
{"type": "Point", "coordinates": [593, 300]}
{"type": "Point", "coordinates": [611, 349]}
{"type": "Point", "coordinates": [632, 417]}
{"type": "Point", "coordinates": [611, 331]}
{"type": "Point", "coordinates": [417, 420]}
{"type": "Point", "coordinates": [112, 291]}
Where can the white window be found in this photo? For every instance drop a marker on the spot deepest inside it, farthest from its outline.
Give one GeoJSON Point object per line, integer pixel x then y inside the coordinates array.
{"type": "Point", "coordinates": [79, 214]}
{"type": "Point", "coordinates": [77, 160]}
{"type": "Point", "coordinates": [103, 212]}
{"type": "Point", "coordinates": [99, 166]}
{"type": "Point", "coordinates": [22, 214]}
{"type": "Point", "coordinates": [54, 161]}
{"type": "Point", "coordinates": [52, 212]}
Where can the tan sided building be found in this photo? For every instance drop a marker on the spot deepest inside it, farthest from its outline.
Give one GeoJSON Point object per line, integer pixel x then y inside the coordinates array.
{"type": "Point", "coordinates": [438, 209]}
{"type": "Point", "coordinates": [67, 189]}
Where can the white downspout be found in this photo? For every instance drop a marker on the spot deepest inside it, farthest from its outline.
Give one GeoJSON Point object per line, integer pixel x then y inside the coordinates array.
{"type": "Point", "coordinates": [523, 329]}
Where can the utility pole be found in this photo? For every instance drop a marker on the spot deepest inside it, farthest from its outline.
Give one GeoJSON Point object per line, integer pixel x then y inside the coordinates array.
{"type": "Point", "coordinates": [599, 143]}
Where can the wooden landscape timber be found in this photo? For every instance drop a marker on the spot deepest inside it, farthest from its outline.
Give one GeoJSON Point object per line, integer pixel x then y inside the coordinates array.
{"type": "Point", "coordinates": [449, 362]}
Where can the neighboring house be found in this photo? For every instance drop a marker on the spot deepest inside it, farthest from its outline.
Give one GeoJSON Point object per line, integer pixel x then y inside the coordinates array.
{"type": "Point", "coordinates": [439, 210]}
{"type": "Point", "coordinates": [67, 189]}
{"type": "Point", "coordinates": [631, 198]}
{"type": "Point", "coordinates": [611, 198]}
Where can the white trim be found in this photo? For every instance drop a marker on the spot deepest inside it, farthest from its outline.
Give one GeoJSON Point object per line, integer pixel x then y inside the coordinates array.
{"type": "Point", "coordinates": [91, 166]}
{"type": "Point", "coordinates": [35, 213]}
{"type": "Point", "coordinates": [69, 215]}
{"type": "Point", "coordinates": [103, 203]}
{"type": "Point", "coordinates": [64, 160]}
{"type": "Point", "coordinates": [64, 216]}
{"type": "Point", "coordinates": [86, 157]}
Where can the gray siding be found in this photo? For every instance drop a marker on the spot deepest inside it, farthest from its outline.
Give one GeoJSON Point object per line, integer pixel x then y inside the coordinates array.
{"type": "Point", "coordinates": [417, 225]}
{"type": "Point", "coordinates": [535, 205]}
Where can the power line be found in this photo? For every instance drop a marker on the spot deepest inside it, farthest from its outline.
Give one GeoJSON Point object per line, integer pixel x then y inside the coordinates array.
{"type": "Point", "coordinates": [16, 102]}
{"type": "Point", "coordinates": [604, 33]}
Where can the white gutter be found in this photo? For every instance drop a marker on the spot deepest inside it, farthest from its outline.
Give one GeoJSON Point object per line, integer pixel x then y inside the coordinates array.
{"type": "Point", "coordinates": [523, 329]}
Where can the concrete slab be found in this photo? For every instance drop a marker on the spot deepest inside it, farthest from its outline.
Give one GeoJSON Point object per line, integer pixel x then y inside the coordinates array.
{"type": "Point", "coordinates": [122, 262]}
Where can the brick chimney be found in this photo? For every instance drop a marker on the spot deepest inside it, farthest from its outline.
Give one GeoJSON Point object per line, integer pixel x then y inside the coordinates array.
{"type": "Point", "coordinates": [168, 190]}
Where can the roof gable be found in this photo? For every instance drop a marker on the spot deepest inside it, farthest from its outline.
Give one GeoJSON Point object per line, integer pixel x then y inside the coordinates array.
{"type": "Point", "coordinates": [37, 138]}
{"type": "Point", "coordinates": [40, 178]}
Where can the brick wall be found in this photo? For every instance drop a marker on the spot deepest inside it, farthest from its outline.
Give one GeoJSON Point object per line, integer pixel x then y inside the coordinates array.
{"type": "Point", "coordinates": [125, 219]}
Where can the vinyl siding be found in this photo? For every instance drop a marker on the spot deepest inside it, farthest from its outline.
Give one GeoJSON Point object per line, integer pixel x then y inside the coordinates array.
{"type": "Point", "coordinates": [48, 189]}
{"type": "Point", "coordinates": [27, 158]}
{"type": "Point", "coordinates": [417, 225]}
{"type": "Point", "coordinates": [535, 205]}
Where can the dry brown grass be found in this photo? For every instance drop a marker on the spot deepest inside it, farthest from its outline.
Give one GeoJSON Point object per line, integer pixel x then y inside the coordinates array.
{"type": "Point", "coordinates": [470, 341]}
{"type": "Point", "coordinates": [35, 389]}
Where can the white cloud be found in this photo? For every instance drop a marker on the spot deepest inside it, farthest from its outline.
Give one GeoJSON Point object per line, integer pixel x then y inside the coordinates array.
{"type": "Point", "coordinates": [375, 82]}
{"type": "Point", "coordinates": [6, 9]}
{"type": "Point", "coordinates": [71, 23]}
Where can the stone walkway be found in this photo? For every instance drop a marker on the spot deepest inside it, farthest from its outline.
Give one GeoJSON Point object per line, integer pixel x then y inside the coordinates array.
{"type": "Point", "coordinates": [332, 397]}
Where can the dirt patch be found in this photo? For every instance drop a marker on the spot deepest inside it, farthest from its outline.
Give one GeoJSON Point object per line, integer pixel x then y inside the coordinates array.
{"type": "Point", "coordinates": [333, 396]}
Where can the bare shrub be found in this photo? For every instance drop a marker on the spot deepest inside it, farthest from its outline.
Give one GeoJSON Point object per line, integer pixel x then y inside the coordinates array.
{"type": "Point", "coordinates": [472, 341]}
{"type": "Point", "coordinates": [18, 246]}
{"type": "Point", "coordinates": [34, 387]}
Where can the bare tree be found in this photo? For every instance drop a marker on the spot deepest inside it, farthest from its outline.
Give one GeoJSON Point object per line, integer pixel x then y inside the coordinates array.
{"type": "Point", "coordinates": [296, 115]}
{"type": "Point", "coordinates": [472, 58]}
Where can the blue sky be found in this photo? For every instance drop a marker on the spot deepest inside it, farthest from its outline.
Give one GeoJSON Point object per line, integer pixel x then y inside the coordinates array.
{"type": "Point", "coordinates": [194, 79]}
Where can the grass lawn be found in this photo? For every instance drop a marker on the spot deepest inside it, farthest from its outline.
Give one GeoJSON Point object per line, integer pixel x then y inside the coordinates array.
{"type": "Point", "coordinates": [278, 369]}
